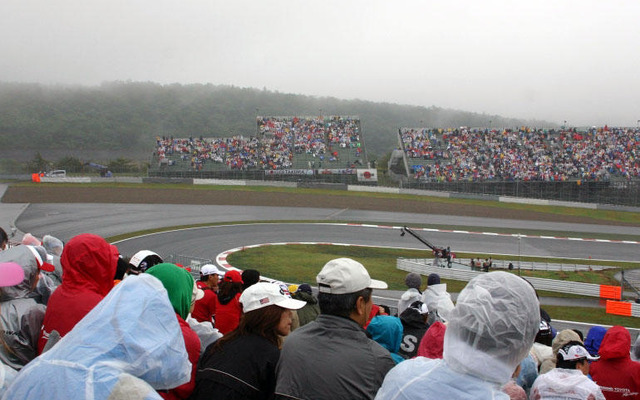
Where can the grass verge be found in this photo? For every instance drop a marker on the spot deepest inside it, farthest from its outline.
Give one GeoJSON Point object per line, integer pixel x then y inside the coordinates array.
{"type": "Point", "coordinates": [601, 215]}
{"type": "Point", "coordinates": [301, 263]}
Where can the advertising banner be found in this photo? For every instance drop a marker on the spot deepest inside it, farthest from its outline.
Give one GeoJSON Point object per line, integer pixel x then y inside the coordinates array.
{"type": "Point", "coordinates": [367, 175]}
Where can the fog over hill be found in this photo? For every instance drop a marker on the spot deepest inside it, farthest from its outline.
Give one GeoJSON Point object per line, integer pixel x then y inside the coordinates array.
{"type": "Point", "coordinates": [122, 119]}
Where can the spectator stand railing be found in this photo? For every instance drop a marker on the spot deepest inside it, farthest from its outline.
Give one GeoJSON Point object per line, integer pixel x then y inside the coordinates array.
{"type": "Point", "coordinates": [190, 262]}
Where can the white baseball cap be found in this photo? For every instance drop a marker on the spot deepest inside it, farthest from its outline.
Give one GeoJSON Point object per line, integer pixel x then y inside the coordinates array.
{"type": "Point", "coordinates": [344, 275]}
{"type": "Point", "coordinates": [210, 269]}
{"type": "Point", "coordinates": [263, 294]}
{"type": "Point", "coordinates": [138, 260]}
{"type": "Point", "coordinates": [570, 352]}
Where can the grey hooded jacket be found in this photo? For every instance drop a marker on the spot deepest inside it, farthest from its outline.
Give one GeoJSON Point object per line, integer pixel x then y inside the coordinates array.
{"type": "Point", "coordinates": [20, 315]}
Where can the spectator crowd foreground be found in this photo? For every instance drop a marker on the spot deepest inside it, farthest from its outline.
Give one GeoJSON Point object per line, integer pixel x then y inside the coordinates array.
{"type": "Point", "coordinates": [81, 320]}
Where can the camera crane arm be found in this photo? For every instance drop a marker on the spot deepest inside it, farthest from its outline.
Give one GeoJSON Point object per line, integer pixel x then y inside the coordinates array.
{"type": "Point", "coordinates": [405, 230]}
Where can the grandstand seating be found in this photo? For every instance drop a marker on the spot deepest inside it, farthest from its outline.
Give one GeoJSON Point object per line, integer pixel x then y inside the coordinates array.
{"type": "Point", "coordinates": [298, 142]}
{"type": "Point", "coordinates": [525, 154]}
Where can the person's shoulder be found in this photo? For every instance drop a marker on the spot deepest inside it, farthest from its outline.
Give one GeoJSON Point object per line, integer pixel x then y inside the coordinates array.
{"type": "Point", "coordinates": [209, 295]}
{"type": "Point", "coordinates": [405, 378]}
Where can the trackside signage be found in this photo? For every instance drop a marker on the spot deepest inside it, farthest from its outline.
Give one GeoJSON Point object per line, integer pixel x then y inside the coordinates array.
{"type": "Point", "coordinates": [367, 175]}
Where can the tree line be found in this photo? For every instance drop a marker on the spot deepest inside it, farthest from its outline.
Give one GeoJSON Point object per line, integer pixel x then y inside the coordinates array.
{"type": "Point", "coordinates": [118, 116]}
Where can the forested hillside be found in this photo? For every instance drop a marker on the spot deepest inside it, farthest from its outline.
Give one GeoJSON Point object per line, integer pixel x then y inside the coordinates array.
{"type": "Point", "coordinates": [121, 116]}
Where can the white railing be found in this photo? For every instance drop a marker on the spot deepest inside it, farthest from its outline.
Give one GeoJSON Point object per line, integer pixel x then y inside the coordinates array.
{"type": "Point", "coordinates": [538, 266]}
{"type": "Point", "coordinates": [425, 268]}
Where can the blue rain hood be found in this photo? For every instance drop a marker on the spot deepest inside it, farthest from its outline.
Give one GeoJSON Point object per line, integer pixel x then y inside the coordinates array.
{"type": "Point", "coordinates": [387, 331]}
{"type": "Point", "coordinates": [130, 341]}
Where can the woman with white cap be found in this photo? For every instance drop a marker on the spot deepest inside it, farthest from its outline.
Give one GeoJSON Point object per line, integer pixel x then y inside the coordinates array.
{"type": "Point", "coordinates": [243, 363]}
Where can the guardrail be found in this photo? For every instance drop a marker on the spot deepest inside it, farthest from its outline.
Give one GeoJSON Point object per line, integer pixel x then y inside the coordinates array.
{"type": "Point", "coordinates": [193, 263]}
{"type": "Point", "coordinates": [539, 266]}
{"type": "Point", "coordinates": [551, 285]}
{"type": "Point", "coordinates": [623, 308]}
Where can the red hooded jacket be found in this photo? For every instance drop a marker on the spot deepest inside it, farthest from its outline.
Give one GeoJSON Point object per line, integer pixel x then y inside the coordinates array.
{"type": "Point", "coordinates": [192, 343]}
{"type": "Point", "coordinates": [88, 267]}
{"type": "Point", "coordinates": [616, 374]}
{"type": "Point", "coordinates": [432, 343]}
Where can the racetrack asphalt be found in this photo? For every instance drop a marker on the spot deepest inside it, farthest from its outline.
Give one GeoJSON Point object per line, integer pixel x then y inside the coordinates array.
{"type": "Point", "coordinates": [67, 220]}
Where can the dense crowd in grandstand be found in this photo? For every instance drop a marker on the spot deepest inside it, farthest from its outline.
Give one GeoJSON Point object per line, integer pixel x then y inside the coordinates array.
{"type": "Point", "coordinates": [525, 154]}
{"type": "Point", "coordinates": [332, 142]}
{"type": "Point", "coordinates": [81, 320]}
{"type": "Point", "coordinates": [433, 155]}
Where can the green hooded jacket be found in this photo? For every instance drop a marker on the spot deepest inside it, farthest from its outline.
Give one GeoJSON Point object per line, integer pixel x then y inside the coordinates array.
{"type": "Point", "coordinates": [179, 284]}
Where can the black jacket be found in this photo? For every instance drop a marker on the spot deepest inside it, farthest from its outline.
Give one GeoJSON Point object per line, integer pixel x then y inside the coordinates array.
{"type": "Point", "coordinates": [244, 368]}
{"type": "Point", "coordinates": [414, 329]}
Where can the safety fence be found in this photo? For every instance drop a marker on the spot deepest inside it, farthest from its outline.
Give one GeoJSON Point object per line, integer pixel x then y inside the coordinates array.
{"type": "Point", "coordinates": [551, 285]}
{"type": "Point", "coordinates": [618, 192]}
{"type": "Point", "coordinates": [624, 308]}
{"type": "Point", "coordinates": [189, 179]}
{"type": "Point", "coordinates": [190, 262]}
{"type": "Point", "coordinates": [538, 266]}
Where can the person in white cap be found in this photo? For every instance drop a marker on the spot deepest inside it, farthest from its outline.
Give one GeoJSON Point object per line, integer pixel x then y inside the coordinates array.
{"type": "Point", "coordinates": [332, 357]}
{"type": "Point", "coordinates": [489, 332]}
{"type": "Point", "coordinates": [205, 308]}
{"type": "Point", "coordinates": [242, 364]}
{"type": "Point", "coordinates": [142, 261]}
{"type": "Point", "coordinates": [569, 379]}
{"type": "Point", "coordinates": [209, 277]}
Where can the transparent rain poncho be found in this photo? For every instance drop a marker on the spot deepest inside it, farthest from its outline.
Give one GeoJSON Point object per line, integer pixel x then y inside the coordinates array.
{"type": "Point", "coordinates": [128, 345]}
{"type": "Point", "coordinates": [53, 245]}
{"type": "Point", "coordinates": [492, 326]}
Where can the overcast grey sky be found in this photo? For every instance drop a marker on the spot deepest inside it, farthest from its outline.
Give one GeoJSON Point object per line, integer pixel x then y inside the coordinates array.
{"type": "Point", "coordinates": [548, 59]}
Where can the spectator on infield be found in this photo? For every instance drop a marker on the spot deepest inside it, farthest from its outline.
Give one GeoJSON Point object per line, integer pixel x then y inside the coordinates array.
{"type": "Point", "coordinates": [332, 357]}
{"type": "Point", "coordinates": [489, 332]}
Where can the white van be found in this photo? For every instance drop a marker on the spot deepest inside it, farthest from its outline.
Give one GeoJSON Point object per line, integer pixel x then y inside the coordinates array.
{"type": "Point", "coordinates": [57, 173]}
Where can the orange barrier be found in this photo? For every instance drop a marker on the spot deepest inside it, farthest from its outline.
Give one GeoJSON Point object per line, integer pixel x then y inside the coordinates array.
{"type": "Point", "coordinates": [35, 178]}
{"type": "Point", "coordinates": [619, 308]}
{"type": "Point", "coordinates": [610, 292]}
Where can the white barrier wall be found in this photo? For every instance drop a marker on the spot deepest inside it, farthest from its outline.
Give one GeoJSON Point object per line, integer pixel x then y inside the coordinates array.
{"type": "Point", "coordinates": [422, 268]}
